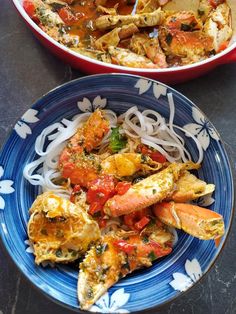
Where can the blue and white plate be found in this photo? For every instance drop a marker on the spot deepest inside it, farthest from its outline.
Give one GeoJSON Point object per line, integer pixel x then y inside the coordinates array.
{"type": "Point", "coordinates": [168, 277]}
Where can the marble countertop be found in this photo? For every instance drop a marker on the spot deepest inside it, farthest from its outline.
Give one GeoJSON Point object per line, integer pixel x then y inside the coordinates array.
{"type": "Point", "coordinates": [27, 71]}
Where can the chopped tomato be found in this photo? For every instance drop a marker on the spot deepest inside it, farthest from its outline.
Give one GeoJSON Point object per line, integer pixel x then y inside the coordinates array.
{"type": "Point", "coordinates": [94, 208]}
{"type": "Point", "coordinates": [122, 187]}
{"type": "Point", "coordinates": [102, 223]}
{"type": "Point", "coordinates": [215, 3]}
{"type": "Point", "coordinates": [153, 154]}
{"type": "Point", "coordinates": [143, 149]}
{"type": "Point", "coordinates": [101, 189]}
{"type": "Point", "coordinates": [159, 250]}
{"type": "Point", "coordinates": [30, 10]}
{"type": "Point", "coordinates": [158, 157]}
{"type": "Point", "coordinates": [131, 219]}
{"type": "Point", "coordinates": [223, 46]}
{"type": "Point", "coordinates": [124, 246]}
{"type": "Point", "coordinates": [67, 16]}
{"type": "Point", "coordinates": [75, 191]}
{"type": "Point", "coordinates": [142, 223]}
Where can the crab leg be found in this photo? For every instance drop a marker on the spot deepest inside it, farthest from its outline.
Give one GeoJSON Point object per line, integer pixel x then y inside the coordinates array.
{"type": "Point", "coordinates": [196, 221]}
{"type": "Point", "coordinates": [140, 20]}
{"type": "Point", "coordinates": [189, 188]}
{"type": "Point", "coordinates": [147, 192]}
{"type": "Point", "coordinates": [117, 255]}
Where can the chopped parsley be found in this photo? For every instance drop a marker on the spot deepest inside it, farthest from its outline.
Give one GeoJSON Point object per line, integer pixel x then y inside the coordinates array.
{"type": "Point", "coordinates": [101, 248]}
{"type": "Point", "coordinates": [201, 12]}
{"type": "Point", "coordinates": [152, 256]}
{"type": "Point", "coordinates": [117, 141]}
{"type": "Point", "coordinates": [169, 38]}
{"type": "Point", "coordinates": [58, 253]}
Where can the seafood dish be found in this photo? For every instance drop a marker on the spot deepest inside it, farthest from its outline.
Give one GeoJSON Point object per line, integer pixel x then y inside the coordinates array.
{"type": "Point", "coordinates": [114, 189]}
{"type": "Point", "coordinates": [152, 34]}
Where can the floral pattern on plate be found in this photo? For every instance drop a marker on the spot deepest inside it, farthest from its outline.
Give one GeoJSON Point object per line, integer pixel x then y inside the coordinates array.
{"type": "Point", "coordinates": [144, 85]}
{"type": "Point", "coordinates": [112, 303]}
{"type": "Point", "coordinates": [202, 129]}
{"type": "Point", "coordinates": [5, 188]}
{"type": "Point", "coordinates": [87, 105]}
{"type": "Point", "coordinates": [22, 128]}
{"type": "Point", "coordinates": [136, 292]}
{"type": "Point", "coordinates": [181, 281]}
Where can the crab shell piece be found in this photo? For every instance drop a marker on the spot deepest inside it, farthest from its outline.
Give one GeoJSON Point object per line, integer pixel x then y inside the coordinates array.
{"type": "Point", "coordinates": [199, 222]}
{"type": "Point", "coordinates": [189, 187]}
{"type": "Point", "coordinates": [59, 230]}
{"type": "Point", "coordinates": [105, 263]}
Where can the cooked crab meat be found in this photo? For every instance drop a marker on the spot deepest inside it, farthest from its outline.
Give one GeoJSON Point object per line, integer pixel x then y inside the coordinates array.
{"type": "Point", "coordinates": [144, 6]}
{"type": "Point", "coordinates": [62, 2]}
{"type": "Point", "coordinates": [190, 46]}
{"type": "Point", "coordinates": [117, 255]}
{"type": "Point", "coordinates": [109, 39]}
{"type": "Point", "coordinates": [48, 18]}
{"type": "Point", "coordinates": [95, 54]}
{"type": "Point", "coordinates": [127, 164]}
{"type": "Point", "coordinates": [189, 187]}
{"type": "Point", "coordinates": [140, 20]}
{"type": "Point", "coordinates": [218, 26]}
{"type": "Point", "coordinates": [59, 230]}
{"type": "Point", "coordinates": [113, 37]}
{"type": "Point", "coordinates": [197, 221]}
{"type": "Point", "coordinates": [52, 24]}
{"type": "Point", "coordinates": [110, 11]}
{"type": "Point", "coordinates": [128, 58]}
{"type": "Point", "coordinates": [76, 162]}
{"type": "Point", "coordinates": [142, 44]}
{"type": "Point", "coordinates": [149, 191]}
{"type": "Point", "coordinates": [204, 9]}
{"type": "Point", "coordinates": [184, 20]}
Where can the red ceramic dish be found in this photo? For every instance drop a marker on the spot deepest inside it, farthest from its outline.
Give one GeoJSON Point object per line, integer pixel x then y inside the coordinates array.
{"type": "Point", "coordinates": [170, 75]}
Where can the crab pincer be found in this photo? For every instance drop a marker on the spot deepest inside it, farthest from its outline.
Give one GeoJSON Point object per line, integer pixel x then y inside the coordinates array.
{"type": "Point", "coordinates": [199, 222]}
{"type": "Point", "coordinates": [147, 192]}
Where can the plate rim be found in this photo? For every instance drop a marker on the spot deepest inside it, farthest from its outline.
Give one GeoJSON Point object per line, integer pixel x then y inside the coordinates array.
{"type": "Point", "coordinates": [232, 185]}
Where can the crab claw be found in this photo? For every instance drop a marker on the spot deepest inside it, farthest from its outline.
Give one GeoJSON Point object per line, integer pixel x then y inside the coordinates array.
{"type": "Point", "coordinates": [199, 222]}
{"type": "Point", "coordinates": [147, 192]}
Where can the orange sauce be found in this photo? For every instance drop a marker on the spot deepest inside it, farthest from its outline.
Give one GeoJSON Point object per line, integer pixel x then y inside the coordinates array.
{"type": "Point", "coordinates": [86, 12]}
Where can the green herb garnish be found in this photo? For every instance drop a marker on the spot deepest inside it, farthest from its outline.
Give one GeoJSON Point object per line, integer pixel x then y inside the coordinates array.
{"type": "Point", "coordinates": [44, 231]}
{"type": "Point", "coordinates": [145, 239]}
{"type": "Point", "coordinates": [58, 253]}
{"type": "Point", "coordinates": [169, 38]}
{"type": "Point", "coordinates": [152, 256]}
{"type": "Point", "coordinates": [200, 12]}
{"type": "Point", "coordinates": [185, 27]}
{"type": "Point", "coordinates": [101, 248]}
{"type": "Point", "coordinates": [117, 141]}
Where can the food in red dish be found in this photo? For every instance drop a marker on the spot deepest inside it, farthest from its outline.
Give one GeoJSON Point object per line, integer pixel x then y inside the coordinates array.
{"type": "Point", "coordinates": [136, 34]}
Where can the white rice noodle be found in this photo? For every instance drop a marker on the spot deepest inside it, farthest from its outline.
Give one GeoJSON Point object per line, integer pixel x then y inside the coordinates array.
{"type": "Point", "coordinates": [175, 235]}
{"type": "Point", "coordinates": [152, 130]}
{"type": "Point", "coordinates": [57, 134]}
{"type": "Point", "coordinates": [149, 127]}
{"type": "Point", "coordinates": [43, 171]}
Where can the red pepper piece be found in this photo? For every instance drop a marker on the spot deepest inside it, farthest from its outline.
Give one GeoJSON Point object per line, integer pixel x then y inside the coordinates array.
{"type": "Point", "coordinates": [124, 246]}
